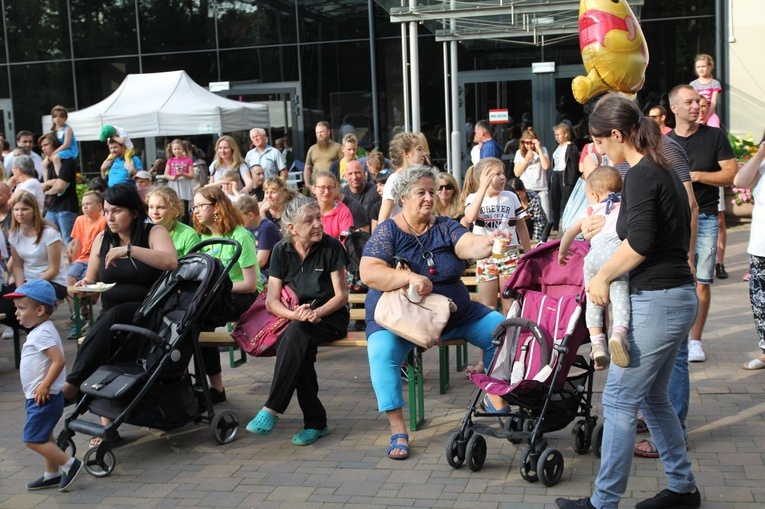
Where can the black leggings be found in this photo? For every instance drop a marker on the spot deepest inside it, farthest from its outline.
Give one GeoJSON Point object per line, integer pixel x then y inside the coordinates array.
{"type": "Point", "coordinates": [211, 355]}
{"type": "Point", "coordinates": [295, 371]}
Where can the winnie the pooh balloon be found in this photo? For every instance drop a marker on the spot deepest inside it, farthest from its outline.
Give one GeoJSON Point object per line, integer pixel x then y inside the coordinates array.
{"type": "Point", "coordinates": [613, 49]}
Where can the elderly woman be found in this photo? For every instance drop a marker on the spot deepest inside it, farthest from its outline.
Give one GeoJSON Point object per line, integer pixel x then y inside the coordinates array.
{"type": "Point", "coordinates": [654, 223]}
{"type": "Point", "coordinates": [436, 248]}
{"type": "Point", "coordinates": [275, 197]}
{"type": "Point", "coordinates": [130, 253]}
{"type": "Point", "coordinates": [312, 264]}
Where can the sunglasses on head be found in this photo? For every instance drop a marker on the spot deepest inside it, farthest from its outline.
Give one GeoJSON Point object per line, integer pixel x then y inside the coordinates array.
{"type": "Point", "coordinates": [448, 187]}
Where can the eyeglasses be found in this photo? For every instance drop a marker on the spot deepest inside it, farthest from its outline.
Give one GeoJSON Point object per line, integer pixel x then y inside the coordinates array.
{"type": "Point", "coordinates": [448, 187]}
{"type": "Point", "coordinates": [199, 207]}
{"type": "Point", "coordinates": [322, 189]}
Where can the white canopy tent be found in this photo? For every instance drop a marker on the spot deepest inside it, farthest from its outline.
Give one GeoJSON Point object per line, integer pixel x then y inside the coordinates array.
{"type": "Point", "coordinates": [164, 104]}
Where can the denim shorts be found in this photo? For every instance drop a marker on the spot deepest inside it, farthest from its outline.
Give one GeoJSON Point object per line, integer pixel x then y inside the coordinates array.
{"type": "Point", "coordinates": [42, 419]}
{"type": "Point", "coordinates": [77, 270]}
{"type": "Point", "coordinates": [706, 248]}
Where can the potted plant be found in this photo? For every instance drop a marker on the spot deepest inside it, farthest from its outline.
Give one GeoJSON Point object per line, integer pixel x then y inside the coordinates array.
{"type": "Point", "coordinates": [739, 202]}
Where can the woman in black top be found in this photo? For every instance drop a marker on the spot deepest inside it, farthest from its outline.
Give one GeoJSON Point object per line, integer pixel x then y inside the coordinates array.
{"type": "Point", "coordinates": [131, 253]}
{"type": "Point", "coordinates": [654, 225]}
{"type": "Point", "coordinates": [312, 264]}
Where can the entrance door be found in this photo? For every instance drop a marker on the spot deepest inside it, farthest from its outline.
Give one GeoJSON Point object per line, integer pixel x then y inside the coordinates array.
{"type": "Point", "coordinates": [6, 110]}
{"type": "Point", "coordinates": [284, 109]}
{"type": "Point", "coordinates": [542, 99]}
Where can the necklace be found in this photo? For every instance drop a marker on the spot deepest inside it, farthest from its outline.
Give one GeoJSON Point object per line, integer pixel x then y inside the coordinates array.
{"type": "Point", "coordinates": [426, 255]}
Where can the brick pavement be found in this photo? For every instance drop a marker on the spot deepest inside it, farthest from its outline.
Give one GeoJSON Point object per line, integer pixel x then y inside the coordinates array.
{"type": "Point", "coordinates": [186, 468]}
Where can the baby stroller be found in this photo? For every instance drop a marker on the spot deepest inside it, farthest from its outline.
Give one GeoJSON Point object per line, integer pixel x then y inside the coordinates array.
{"type": "Point", "coordinates": [532, 369]}
{"type": "Point", "coordinates": [155, 388]}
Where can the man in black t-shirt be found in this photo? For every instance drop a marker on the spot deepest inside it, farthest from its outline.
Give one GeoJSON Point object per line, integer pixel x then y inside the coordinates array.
{"type": "Point", "coordinates": [712, 165]}
{"type": "Point", "coordinates": [359, 188]}
{"type": "Point", "coordinates": [60, 190]}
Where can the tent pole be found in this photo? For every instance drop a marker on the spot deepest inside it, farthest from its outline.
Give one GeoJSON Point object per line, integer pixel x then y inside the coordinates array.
{"type": "Point", "coordinates": [414, 71]}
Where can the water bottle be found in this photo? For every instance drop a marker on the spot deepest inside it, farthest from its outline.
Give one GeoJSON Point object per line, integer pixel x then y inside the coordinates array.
{"type": "Point", "coordinates": [503, 237]}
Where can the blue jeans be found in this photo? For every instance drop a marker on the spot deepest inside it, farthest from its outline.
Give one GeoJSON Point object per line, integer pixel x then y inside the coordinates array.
{"type": "Point", "coordinates": [64, 221]}
{"type": "Point", "coordinates": [387, 351]}
{"type": "Point", "coordinates": [706, 248]}
{"type": "Point", "coordinates": [659, 325]}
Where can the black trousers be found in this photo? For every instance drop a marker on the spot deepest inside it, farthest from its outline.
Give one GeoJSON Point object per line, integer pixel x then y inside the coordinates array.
{"type": "Point", "coordinates": [100, 345]}
{"type": "Point", "coordinates": [295, 371]}
{"type": "Point", "coordinates": [211, 355]}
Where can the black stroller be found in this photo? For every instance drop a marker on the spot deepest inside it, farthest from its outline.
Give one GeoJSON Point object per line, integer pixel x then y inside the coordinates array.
{"type": "Point", "coordinates": [157, 389]}
{"type": "Point", "coordinates": [536, 369]}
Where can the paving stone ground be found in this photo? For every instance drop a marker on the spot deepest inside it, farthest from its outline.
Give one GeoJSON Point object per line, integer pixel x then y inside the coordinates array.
{"type": "Point", "coordinates": [348, 469]}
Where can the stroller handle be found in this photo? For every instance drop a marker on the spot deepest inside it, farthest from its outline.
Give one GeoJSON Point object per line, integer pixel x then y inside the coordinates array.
{"type": "Point", "coordinates": [223, 242]}
{"type": "Point", "coordinates": [149, 334]}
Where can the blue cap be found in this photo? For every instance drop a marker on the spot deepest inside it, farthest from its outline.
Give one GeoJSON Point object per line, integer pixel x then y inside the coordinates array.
{"type": "Point", "coordinates": [38, 289]}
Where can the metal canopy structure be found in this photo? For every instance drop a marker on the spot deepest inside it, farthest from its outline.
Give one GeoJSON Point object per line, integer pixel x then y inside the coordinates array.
{"type": "Point", "coordinates": [467, 22]}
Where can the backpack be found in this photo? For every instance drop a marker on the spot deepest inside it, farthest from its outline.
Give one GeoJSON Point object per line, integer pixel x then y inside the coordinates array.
{"type": "Point", "coordinates": [354, 247]}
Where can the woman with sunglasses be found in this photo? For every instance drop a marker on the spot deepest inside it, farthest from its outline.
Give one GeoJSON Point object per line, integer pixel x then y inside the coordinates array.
{"type": "Point", "coordinates": [449, 202]}
{"type": "Point", "coordinates": [530, 165]}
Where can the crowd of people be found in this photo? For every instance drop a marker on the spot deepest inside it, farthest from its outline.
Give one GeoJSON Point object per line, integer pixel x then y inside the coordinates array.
{"type": "Point", "coordinates": [645, 195]}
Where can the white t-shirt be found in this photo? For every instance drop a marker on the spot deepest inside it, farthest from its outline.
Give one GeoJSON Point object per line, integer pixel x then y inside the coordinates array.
{"type": "Point", "coordinates": [217, 173]}
{"type": "Point", "coordinates": [533, 177]}
{"type": "Point", "coordinates": [33, 187]}
{"type": "Point", "coordinates": [122, 133]}
{"type": "Point", "coordinates": [35, 256]}
{"type": "Point", "coordinates": [757, 235]}
{"type": "Point", "coordinates": [559, 158]}
{"type": "Point", "coordinates": [388, 193]}
{"type": "Point", "coordinates": [35, 363]}
{"type": "Point", "coordinates": [8, 160]}
{"type": "Point", "coordinates": [493, 209]}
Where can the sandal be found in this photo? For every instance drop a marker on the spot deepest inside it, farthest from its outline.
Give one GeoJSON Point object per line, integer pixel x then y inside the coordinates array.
{"type": "Point", "coordinates": [96, 441]}
{"type": "Point", "coordinates": [754, 364]}
{"type": "Point", "coordinates": [642, 427]}
{"type": "Point", "coordinates": [471, 370]}
{"type": "Point", "coordinates": [263, 423]}
{"type": "Point", "coordinates": [652, 451]}
{"type": "Point", "coordinates": [487, 407]}
{"type": "Point", "coordinates": [394, 445]}
{"type": "Point", "coordinates": [308, 436]}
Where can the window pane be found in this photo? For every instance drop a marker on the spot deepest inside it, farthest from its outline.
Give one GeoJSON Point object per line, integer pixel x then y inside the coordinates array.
{"type": "Point", "coordinates": [256, 23]}
{"type": "Point", "coordinates": [201, 67]}
{"type": "Point", "coordinates": [260, 65]}
{"type": "Point", "coordinates": [97, 79]}
{"type": "Point", "coordinates": [39, 32]}
{"type": "Point", "coordinates": [176, 25]}
{"type": "Point", "coordinates": [103, 28]}
{"type": "Point", "coordinates": [52, 85]}
{"type": "Point", "coordinates": [331, 21]}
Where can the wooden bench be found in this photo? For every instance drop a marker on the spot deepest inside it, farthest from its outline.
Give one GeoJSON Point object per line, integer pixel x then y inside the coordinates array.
{"type": "Point", "coordinates": [78, 325]}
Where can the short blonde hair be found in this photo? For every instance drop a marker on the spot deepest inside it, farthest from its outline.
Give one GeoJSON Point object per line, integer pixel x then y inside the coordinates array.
{"type": "Point", "coordinates": [171, 198]}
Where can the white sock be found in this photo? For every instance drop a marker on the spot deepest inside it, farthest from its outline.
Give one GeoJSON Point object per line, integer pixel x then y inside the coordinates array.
{"type": "Point", "coordinates": [697, 340]}
{"type": "Point", "coordinates": [68, 464]}
{"type": "Point", "coordinates": [50, 475]}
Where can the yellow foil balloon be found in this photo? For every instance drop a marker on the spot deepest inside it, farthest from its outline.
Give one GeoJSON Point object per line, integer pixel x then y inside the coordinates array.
{"type": "Point", "coordinates": [613, 49]}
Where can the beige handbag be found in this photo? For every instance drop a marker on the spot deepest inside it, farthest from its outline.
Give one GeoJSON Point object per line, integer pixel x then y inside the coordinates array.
{"type": "Point", "coordinates": [422, 322]}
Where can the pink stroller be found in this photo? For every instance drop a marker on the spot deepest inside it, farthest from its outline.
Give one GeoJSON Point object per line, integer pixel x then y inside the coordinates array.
{"type": "Point", "coordinates": [536, 369]}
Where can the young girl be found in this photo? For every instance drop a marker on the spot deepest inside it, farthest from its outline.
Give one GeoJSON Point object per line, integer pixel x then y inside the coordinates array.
{"type": "Point", "coordinates": [602, 188]}
{"type": "Point", "coordinates": [707, 87]}
{"type": "Point", "coordinates": [68, 148]}
{"type": "Point", "coordinates": [486, 208]}
{"type": "Point", "coordinates": [166, 209]}
{"type": "Point", "coordinates": [179, 171]}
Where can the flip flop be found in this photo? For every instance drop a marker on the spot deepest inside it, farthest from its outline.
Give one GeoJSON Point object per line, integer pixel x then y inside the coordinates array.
{"type": "Point", "coordinates": [309, 436]}
{"type": "Point", "coordinates": [653, 452]}
{"type": "Point", "coordinates": [754, 364]}
{"type": "Point", "coordinates": [478, 368]}
{"type": "Point", "coordinates": [96, 441]}
{"type": "Point", "coordinates": [395, 445]}
{"type": "Point", "coordinates": [642, 427]}
{"type": "Point", "coordinates": [487, 407]}
{"type": "Point", "coordinates": [263, 423]}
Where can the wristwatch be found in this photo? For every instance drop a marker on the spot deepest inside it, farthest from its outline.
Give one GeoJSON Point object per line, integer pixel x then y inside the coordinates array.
{"type": "Point", "coordinates": [128, 249]}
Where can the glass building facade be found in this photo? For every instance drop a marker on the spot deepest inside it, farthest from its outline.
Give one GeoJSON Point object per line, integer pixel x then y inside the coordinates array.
{"type": "Point", "coordinates": [76, 52]}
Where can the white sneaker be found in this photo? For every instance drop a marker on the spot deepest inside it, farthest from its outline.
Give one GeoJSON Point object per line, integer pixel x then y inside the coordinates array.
{"type": "Point", "coordinates": [8, 333]}
{"type": "Point", "coordinates": [695, 352]}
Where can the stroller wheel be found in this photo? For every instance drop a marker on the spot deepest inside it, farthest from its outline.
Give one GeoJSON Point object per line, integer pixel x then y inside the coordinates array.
{"type": "Point", "coordinates": [225, 426]}
{"type": "Point", "coordinates": [98, 462]}
{"type": "Point", "coordinates": [528, 468]}
{"type": "Point", "coordinates": [581, 437]}
{"type": "Point", "coordinates": [475, 454]}
{"type": "Point", "coordinates": [453, 457]}
{"type": "Point", "coordinates": [597, 439]}
{"type": "Point", "coordinates": [550, 467]}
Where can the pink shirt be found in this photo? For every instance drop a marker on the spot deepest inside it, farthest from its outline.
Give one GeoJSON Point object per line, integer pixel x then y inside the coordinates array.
{"type": "Point", "coordinates": [337, 221]}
